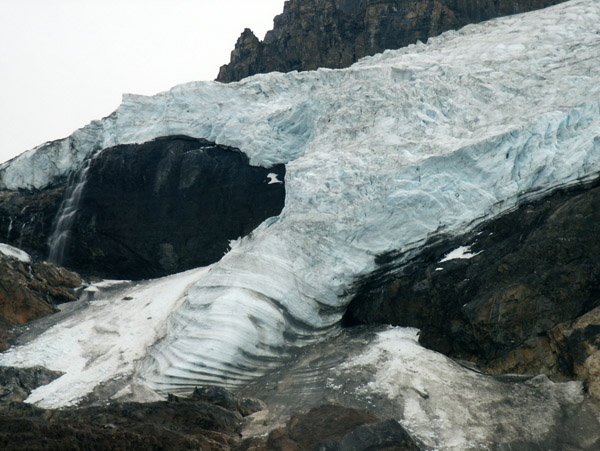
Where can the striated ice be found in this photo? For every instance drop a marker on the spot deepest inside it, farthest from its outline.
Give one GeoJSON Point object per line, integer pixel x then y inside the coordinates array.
{"type": "Point", "coordinates": [402, 146]}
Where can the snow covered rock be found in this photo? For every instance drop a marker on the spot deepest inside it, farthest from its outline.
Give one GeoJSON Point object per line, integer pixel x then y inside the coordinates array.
{"type": "Point", "coordinates": [533, 272]}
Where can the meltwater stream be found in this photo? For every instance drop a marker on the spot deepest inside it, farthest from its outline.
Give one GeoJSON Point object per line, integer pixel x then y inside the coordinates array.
{"type": "Point", "coordinates": [67, 212]}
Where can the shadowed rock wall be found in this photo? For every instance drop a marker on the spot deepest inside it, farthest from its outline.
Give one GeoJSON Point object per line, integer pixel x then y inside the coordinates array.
{"type": "Point", "coordinates": [167, 205]}
{"type": "Point", "coordinates": [527, 302]}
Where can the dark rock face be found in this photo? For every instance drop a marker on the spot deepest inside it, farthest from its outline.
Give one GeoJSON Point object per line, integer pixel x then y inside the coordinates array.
{"type": "Point", "coordinates": [167, 205]}
{"type": "Point", "coordinates": [516, 306]}
{"type": "Point", "coordinates": [173, 424]}
{"type": "Point", "coordinates": [336, 33]}
{"type": "Point", "coordinates": [31, 291]}
{"type": "Point", "coordinates": [26, 218]}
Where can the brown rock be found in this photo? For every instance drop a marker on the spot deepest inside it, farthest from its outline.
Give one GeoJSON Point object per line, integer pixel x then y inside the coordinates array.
{"type": "Point", "coordinates": [31, 291]}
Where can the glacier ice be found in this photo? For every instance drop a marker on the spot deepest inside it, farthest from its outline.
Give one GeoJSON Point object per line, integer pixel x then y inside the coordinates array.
{"type": "Point", "coordinates": [402, 146]}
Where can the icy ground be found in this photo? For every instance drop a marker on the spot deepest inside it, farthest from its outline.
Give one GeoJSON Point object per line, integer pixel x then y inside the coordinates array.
{"type": "Point", "coordinates": [101, 342]}
{"type": "Point", "coordinates": [400, 147]}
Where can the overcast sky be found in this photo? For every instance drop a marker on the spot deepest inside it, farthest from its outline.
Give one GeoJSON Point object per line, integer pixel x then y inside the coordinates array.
{"type": "Point", "coordinates": [64, 63]}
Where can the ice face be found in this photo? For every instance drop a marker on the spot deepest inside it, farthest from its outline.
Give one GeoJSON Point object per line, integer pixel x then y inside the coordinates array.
{"type": "Point", "coordinates": [381, 156]}
{"type": "Point", "coordinates": [407, 144]}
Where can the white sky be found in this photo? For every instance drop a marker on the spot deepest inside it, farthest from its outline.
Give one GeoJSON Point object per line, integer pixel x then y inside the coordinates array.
{"type": "Point", "coordinates": [64, 63]}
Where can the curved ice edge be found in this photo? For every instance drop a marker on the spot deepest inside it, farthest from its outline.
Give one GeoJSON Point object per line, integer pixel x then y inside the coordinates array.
{"type": "Point", "coordinates": [218, 324]}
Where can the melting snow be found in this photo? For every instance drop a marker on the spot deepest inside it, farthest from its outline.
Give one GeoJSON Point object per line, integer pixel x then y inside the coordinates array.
{"type": "Point", "coordinates": [13, 252]}
{"type": "Point", "coordinates": [463, 252]}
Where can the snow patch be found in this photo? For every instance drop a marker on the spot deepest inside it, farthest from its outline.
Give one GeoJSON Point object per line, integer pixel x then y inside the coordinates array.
{"type": "Point", "coordinates": [273, 178]}
{"type": "Point", "coordinates": [448, 406]}
{"type": "Point", "coordinates": [13, 252]}
{"type": "Point", "coordinates": [462, 252]}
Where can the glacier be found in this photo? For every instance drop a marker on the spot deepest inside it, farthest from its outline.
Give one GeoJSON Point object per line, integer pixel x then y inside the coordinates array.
{"type": "Point", "coordinates": [401, 147]}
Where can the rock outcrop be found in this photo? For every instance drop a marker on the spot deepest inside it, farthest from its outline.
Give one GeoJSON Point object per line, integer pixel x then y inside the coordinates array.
{"type": "Point", "coordinates": [526, 301]}
{"type": "Point", "coordinates": [26, 217]}
{"type": "Point", "coordinates": [310, 34]}
{"type": "Point", "coordinates": [211, 419]}
{"type": "Point", "coordinates": [166, 206]}
{"type": "Point", "coordinates": [173, 424]}
{"type": "Point", "coordinates": [17, 383]}
{"type": "Point", "coordinates": [334, 428]}
{"type": "Point", "coordinates": [148, 210]}
{"type": "Point", "coordinates": [31, 290]}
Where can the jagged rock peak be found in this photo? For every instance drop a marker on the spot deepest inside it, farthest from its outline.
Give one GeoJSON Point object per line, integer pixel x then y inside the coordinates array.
{"type": "Point", "coordinates": [336, 33]}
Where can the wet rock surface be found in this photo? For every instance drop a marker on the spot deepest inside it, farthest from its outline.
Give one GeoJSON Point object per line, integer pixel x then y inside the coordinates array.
{"type": "Point", "coordinates": [526, 301]}
{"type": "Point", "coordinates": [166, 206]}
{"type": "Point", "coordinates": [17, 383]}
{"type": "Point", "coordinates": [310, 34]}
{"type": "Point", "coordinates": [29, 291]}
{"type": "Point", "coordinates": [26, 217]}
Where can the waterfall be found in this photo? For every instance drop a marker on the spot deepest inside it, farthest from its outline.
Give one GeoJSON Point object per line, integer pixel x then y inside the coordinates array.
{"type": "Point", "coordinates": [67, 212]}
{"type": "Point", "coordinates": [10, 225]}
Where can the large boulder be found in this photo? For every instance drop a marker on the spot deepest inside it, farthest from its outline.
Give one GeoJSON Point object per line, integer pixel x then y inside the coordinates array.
{"type": "Point", "coordinates": [336, 33]}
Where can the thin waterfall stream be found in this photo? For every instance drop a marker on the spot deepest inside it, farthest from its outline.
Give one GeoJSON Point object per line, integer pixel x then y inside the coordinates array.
{"type": "Point", "coordinates": [67, 212]}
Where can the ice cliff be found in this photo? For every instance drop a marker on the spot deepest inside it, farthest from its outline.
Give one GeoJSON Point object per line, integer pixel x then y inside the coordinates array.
{"type": "Point", "coordinates": [402, 146]}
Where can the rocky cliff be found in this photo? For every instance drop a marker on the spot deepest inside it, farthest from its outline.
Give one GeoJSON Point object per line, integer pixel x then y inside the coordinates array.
{"type": "Point", "coordinates": [336, 33]}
